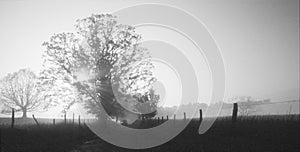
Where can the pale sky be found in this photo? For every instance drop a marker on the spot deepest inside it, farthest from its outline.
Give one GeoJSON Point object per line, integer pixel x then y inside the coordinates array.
{"type": "Point", "coordinates": [259, 40]}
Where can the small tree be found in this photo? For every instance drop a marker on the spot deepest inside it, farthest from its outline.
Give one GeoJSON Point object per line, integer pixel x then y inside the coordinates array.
{"type": "Point", "coordinates": [25, 92]}
{"type": "Point", "coordinates": [147, 104]}
{"type": "Point", "coordinates": [245, 104]}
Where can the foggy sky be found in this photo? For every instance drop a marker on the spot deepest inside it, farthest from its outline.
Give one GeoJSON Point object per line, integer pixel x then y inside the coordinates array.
{"type": "Point", "coordinates": [259, 40]}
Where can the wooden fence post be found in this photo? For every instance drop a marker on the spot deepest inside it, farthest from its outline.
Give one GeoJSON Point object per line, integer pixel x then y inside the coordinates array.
{"type": "Point", "coordinates": [12, 117]}
{"type": "Point", "coordinates": [234, 112]}
{"type": "Point", "coordinates": [79, 120]}
{"type": "Point", "coordinates": [184, 115]}
{"type": "Point", "coordinates": [158, 120]}
{"type": "Point", "coordinates": [167, 117]}
{"type": "Point", "coordinates": [174, 117]}
{"type": "Point", "coordinates": [65, 117]}
{"type": "Point", "coordinates": [200, 118]}
{"type": "Point", "coordinates": [143, 118]}
{"type": "Point", "coordinates": [53, 121]}
{"type": "Point", "coordinates": [162, 118]}
{"type": "Point", "coordinates": [73, 119]}
{"type": "Point", "coordinates": [37, 123]}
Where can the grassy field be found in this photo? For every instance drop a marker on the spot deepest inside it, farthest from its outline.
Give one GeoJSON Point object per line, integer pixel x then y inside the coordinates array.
{"type": "Point", "coordinates": [254, 133]}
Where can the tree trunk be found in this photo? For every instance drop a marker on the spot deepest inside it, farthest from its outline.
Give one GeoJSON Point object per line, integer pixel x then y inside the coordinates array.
{"type": "Point", "coordinates": [24, 113]}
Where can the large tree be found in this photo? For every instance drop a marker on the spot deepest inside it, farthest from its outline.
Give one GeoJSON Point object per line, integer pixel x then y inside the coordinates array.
{"type": "Point", "coordinates": [103, 60]}
{"type": "Point", "coordinates": [23, 91]}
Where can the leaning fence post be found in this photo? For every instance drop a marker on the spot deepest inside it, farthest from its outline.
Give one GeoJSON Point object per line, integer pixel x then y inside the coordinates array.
{"type": "Point", "coordinates": [200, 118]}
{"type": "Point", "coordinates": [37, 123]}
{"type": "Point", "coordinates": [184, 115]}
{"type": "Point", "coordinates": [12, 117]}
{"type": "Point", "coordinates": [234, 112]}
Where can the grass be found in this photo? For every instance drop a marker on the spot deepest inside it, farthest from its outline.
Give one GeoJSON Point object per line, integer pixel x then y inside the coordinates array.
{"type": "Point", "coordinates": [253, 133]}
{"type": "Point", "coordinates": [43, 138]}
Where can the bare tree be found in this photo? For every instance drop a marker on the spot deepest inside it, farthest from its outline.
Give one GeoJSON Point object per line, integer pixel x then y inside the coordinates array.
{"type": "Point", "coordinates": [24, 92]}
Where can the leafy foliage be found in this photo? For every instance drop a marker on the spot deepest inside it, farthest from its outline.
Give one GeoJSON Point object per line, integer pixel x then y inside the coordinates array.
{"type": "Point", "coordinates": [101, 59]}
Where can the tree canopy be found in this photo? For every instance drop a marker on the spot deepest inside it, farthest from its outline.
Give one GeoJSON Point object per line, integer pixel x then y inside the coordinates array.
{"type": "Point", "coordinates": [23, 91]}
{"type": "Point", "coordinates": [103, 60]}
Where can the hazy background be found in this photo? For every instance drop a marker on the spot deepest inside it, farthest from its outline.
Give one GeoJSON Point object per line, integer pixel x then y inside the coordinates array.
{"type": "Point", "coordinates": [259, 40]}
